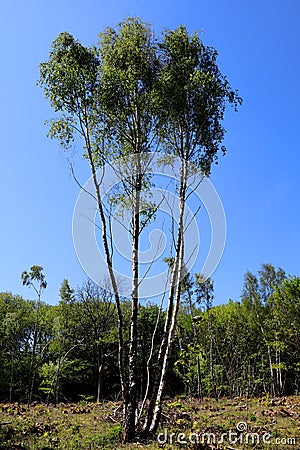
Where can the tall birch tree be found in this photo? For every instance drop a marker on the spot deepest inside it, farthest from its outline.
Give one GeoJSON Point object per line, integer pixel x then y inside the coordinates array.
{"type": "Point", "coordinates": [128, 97]}
{"type": "Point", "coordinates": [194, 95]}
{"type": "Point", "coordinates": [129, 71]}
{"type": "Point", "coordinates": [71, 82]}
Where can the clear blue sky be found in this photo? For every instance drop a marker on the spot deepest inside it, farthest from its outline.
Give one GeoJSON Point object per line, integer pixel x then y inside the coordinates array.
{"type": "Point", "coordinates": [258, 180]}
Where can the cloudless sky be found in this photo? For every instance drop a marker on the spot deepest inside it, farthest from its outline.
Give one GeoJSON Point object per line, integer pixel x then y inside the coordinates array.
{"type": "Point", "coordinates": [258, 180]}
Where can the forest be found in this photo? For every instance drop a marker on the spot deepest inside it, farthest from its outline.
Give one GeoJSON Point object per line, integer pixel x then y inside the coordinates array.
{"type": "Point", "coordinates": [68, 352]}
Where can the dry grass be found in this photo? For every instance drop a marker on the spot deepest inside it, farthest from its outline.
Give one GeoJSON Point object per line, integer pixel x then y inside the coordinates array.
{"type": "Point", "coordinates": [225, 424]}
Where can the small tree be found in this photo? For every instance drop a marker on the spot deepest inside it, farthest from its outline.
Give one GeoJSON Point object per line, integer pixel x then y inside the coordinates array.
{"type": "Point", "coordinates": [97, 316]}
{"type": "Point", "coordinates": [34, 279]}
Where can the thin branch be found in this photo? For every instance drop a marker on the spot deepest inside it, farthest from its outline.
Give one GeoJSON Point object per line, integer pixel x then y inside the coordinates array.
{"type": "Point", "coordinates": [193, 217]}
{"type": "Point", "coordinates": [78, 183]}
{"type": "Point", "coordinates": [195, 248]}
{"type": "Point", "coordinates": [151, 263]}
{"type": "Point", "coordinates": [152, 351]}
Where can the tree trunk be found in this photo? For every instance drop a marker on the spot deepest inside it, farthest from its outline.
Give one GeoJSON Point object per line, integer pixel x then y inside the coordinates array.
{"type": "Point", "coordinates": [100, 375]}
{"type": "Point", "coordinates": [199, 379]}
{"type": "Point", "coordinates": [121, 350]}
{"type": "Point", "coordinates": [211, 361]}
{"type": "Point", "coordinates": [32, 370]}
{"type": "Point", "coordinates": [158, 403]}
{"type": "Point", "coordinates": [11, 375]}
{"type": "Point", "coordinates": [99, 383]}
{"type": "Point", "coordinates": [154, 408]}
{"type": "Point", "coordinates": [131, 399]}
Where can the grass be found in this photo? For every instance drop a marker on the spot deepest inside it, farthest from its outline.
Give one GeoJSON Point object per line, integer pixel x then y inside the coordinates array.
{"type": "Point", "coordinates": [239, 423]}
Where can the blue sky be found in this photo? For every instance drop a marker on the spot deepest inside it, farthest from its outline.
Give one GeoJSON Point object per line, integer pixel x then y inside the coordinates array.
{"type": "Point", "coordinates": [258, 180]}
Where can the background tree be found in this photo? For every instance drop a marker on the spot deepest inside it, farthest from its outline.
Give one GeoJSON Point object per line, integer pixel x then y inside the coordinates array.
{"type": "Point", "coordinates": [233, 350]}
{"type": "Point", "coordinates": [34, 279]}
{"type": "Point", "coordinates": [65, 340]}
{"type": "Point", "coordinates": [257, 294]}
{"type": "Point", "coordinates": [97, 326]}
{"type": "Point", "coordinates": [286, 328]}
{"type": "Point", "coordinates": [16, 325]}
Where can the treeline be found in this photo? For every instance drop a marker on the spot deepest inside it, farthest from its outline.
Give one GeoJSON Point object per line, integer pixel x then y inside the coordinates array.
{"type": "Point", "coordinates": [69, 351]}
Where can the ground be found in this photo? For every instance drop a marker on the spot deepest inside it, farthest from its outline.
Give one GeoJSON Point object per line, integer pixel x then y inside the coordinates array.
{"type": "Point", "coordinates": [240, 423]}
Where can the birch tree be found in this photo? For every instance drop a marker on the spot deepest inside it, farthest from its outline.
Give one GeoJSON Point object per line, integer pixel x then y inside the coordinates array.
{"type": "Point", "coordinates": [105, 98]}
{"type": "Point", "coordinates": [71, 81]}
{"type": "Point", "coordinates": [132, 95]}
{"type": "Point", "coordinates": [194, 94]}
{"type": "Point", "coordinates": [129, 70]}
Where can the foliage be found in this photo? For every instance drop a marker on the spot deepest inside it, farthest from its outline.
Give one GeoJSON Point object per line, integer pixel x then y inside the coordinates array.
{"type": "Point", "coordinates": [192, 118]}
{"type": "Point", "coordinates": [244, 348]}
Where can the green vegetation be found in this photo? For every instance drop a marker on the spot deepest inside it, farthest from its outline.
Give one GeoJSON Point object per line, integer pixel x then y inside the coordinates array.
{"type": "Point", "coordinates": [246, 348]}
{"type": "Point", "coordinates": [230, 364]}
{"type": "Point", "coordinates": [87, 426]}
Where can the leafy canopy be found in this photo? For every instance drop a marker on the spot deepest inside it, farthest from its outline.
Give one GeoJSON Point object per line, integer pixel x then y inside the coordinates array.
{"type": "Point", "coordinates": [193, 94]}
